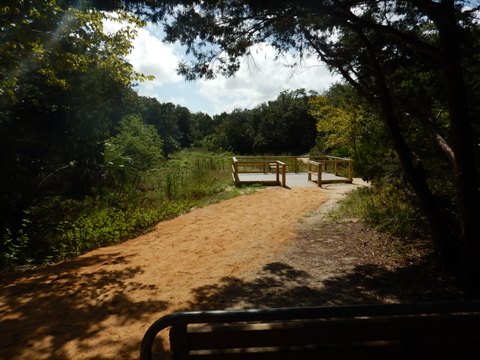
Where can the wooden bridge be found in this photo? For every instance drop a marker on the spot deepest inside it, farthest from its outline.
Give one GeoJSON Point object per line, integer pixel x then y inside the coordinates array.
{"type": "Point", "coordinates": [295, 170]}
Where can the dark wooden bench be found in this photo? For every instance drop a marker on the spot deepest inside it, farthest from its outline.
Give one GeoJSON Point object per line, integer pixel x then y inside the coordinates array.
{"type": "Point", "coordinates": [400, 331]}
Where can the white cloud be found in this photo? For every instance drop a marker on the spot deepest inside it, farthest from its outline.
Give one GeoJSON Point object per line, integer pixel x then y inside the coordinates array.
{"type": "Point", "coordinates": [151, 56]}
{"type": "Point", "coordinates": [262, 77]}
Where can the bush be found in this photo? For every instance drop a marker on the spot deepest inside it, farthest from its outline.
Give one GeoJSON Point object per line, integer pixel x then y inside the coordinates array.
{"type": "Point", "coordinates": [386, 208]}
{"type": "Point", "coordinates": [58, 227]}
{"type": "Point", "coordinates": [135, 149]}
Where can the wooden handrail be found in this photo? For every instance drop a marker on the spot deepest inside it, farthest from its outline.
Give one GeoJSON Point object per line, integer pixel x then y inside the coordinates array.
{"type": "Point", "coordinates": [315, 165]}
{"type": "Point", "coordinates": [318, 172]}
{"type": "Point", "coordinates": [280, 168]}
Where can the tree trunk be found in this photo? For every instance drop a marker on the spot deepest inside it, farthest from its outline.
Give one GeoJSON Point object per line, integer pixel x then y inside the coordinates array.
{"type": "Point", "coordinates": [441, 233]}
{"type": "Point", "coordinates": [463, 145]}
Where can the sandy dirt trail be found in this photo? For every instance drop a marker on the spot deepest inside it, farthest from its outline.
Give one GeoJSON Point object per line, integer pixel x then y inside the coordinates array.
{"type": "Point", "coordinates": [99, 305]}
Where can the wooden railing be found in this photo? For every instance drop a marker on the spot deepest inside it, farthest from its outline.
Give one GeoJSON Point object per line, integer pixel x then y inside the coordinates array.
{"type": "Point", "coordinates": [264, 166]}
{"type": "Point", "coordinates": [330, 164]}
{"type": "Point", "coordinates": [294, 163]}
{"type": "Point", "coordinates": [313, 165]}
{"type": "Point", "coordinates": [315, 168]}
{"type": "Point", "coordinates": [394, 331]}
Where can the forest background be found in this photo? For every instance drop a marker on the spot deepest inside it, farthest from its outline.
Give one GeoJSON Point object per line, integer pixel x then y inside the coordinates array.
{"type": "Point", "coordinates": [87, 162]}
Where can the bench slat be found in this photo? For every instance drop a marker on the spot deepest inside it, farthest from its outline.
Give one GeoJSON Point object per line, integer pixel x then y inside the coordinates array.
{"type": "Point", "coordinates": [400, 331]}
{"type": "Point", "coordinates": [389, 351]}
{"type": "Point", "coordinates": [429, 328]}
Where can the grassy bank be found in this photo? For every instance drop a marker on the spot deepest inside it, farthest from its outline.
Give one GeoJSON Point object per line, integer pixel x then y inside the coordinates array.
{"type": "Point", "coordinates": [385, 208]}
{"type": "Point", "coordinates": [58, 228]}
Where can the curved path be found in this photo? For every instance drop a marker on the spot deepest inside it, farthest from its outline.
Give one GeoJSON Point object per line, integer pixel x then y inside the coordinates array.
{"type": "Point", "coordinates": [99, 305]}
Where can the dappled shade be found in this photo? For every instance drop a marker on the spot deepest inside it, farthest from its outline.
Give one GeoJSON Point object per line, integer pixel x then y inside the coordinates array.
{"type": "Point", "coordinates": [281, 285]}
{"type": "Point", "coordinates": [52, 307]}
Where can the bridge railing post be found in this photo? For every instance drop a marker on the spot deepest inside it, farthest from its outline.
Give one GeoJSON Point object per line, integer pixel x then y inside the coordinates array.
{"type": "Point", "coordinates": [319, 175]}
{"type": "Point", "coordinates": [350, 171]}
{"type": "Point", "coordinates": [277, 168]}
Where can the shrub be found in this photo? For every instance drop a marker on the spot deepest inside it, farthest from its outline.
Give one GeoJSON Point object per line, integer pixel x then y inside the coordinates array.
{"type": "Point", "coordinates": [385, 207]}
{"type": "Point", "coordinates": [58, 227]}
{"type": "Point", "coordinates": [135, 149]}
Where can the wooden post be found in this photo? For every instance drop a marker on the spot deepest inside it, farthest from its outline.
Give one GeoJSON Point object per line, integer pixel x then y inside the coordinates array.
{"type": "Point", "coordinates": [309, 169]}
{"type": "Point", "coordinates": [319, 175]}
{"type": "Point", "coordinates": [284, 175]}
{"type": "Point", "coordinates": [350, 171]}
{"type": "Point", "coordinates": [336, 167]}
{"type": "Point", "coordinates": [235, 164]}
{"type": "Point", "coordinates": [235, 176]}
{"type": "Point", "coordinates": [278, 171]}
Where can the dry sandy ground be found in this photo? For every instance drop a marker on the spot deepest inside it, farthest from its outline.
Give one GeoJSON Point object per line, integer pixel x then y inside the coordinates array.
{"type": "Point", "coordinates": [99, 305]}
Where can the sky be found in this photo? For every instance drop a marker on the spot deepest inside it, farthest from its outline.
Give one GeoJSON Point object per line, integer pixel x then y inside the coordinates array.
{"type": "Point", "coordinates": [260, 78]}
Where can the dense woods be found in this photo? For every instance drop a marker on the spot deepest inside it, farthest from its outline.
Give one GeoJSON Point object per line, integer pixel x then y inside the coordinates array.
{"type": "Point", "coordinates": [85, 157]}
{"type": "Point", "coordinates": [281, 126]}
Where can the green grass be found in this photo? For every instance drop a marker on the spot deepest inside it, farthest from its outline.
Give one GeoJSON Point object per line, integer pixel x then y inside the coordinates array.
{"type": "Point", "coordinates": [384, 208]}
{"type": "Point", "coordinates": [59, 228]}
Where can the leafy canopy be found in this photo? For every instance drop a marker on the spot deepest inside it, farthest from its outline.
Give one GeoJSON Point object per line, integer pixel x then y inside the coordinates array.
{"type": "Point", "coordinates": [44, 39]}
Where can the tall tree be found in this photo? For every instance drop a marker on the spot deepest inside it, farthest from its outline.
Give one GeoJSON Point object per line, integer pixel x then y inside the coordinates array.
{"type": "Point", "coordinates": [286, 125]}
{"type": "Point", "coordinates": [135, 149]}
{"type": "Point", "coordinates": [202, 126]}
{"type": "Point", "coordinates": [64, 84]}
{"type": "Point", "coordinates": [375, 46]}
{"type": "Point", "coordinates": [163, 117]}
{"type": "Point", "coordinates": [340, 119]}
{"type": "Point", "coordinates": [277, 127]}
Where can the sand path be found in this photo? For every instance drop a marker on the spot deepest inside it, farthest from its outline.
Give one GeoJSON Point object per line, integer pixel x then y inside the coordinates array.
{"type": "Point", "coordinates": [99, 305]}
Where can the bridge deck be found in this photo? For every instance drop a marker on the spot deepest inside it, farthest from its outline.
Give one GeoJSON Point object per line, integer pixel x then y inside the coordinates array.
{"type": "Point", "coordinates": [292, 180]}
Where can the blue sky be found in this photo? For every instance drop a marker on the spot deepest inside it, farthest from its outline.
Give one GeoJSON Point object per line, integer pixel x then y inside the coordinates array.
{"type": "Point", "coordinates": [260, 78]}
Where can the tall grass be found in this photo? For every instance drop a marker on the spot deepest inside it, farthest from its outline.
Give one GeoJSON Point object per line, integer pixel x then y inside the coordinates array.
{"type": "Point", "coordinates": [59, 228]}
{"type": "Point", "coordinates": [386, 208]}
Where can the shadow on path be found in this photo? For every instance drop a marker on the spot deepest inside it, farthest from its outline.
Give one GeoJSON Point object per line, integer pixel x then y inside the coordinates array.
{"type": "Point", "coordinates": [50, 307]}
{"type": "Point", "coordinates": [279, 285]}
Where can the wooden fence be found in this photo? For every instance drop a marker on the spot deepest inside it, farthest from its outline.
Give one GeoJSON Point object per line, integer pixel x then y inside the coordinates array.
{"type": "Point", "coordinates": [315, 168]}
{"type": "Point", "coordinates": [277, 167]}
{"type": "Point", "coordinates": [341, 168]}
{"type": "Point", "coordinates": [294, 163]}
{"type": "Point", "coordinates": [335, 169]}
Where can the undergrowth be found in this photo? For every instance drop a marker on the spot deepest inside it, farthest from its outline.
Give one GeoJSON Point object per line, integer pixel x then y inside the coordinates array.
{"type": "Point", "coordinates": [386, 209]}
{"type": "Point", "coordinates": [59, 228]}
